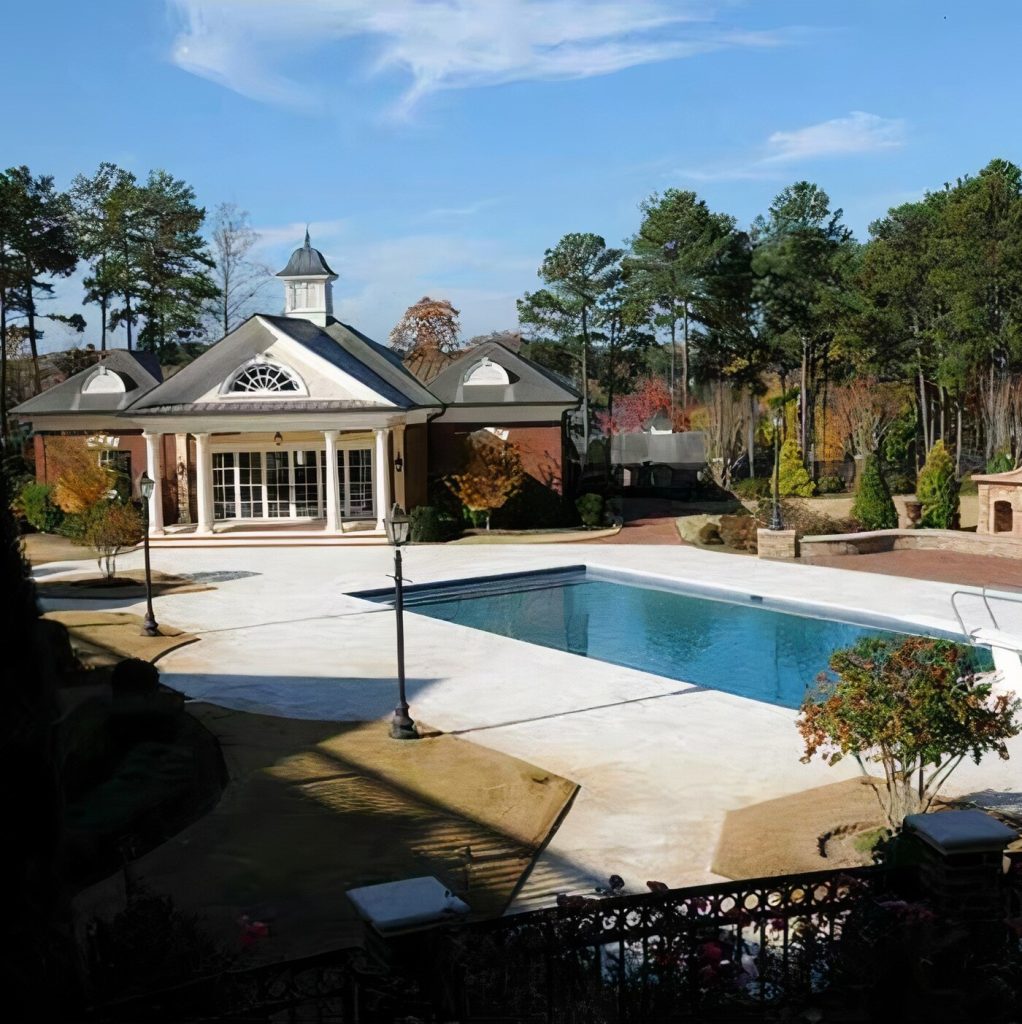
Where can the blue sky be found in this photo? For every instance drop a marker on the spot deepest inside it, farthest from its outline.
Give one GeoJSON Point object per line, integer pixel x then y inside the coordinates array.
{"type": "Point", "coordinates": [439, 146]}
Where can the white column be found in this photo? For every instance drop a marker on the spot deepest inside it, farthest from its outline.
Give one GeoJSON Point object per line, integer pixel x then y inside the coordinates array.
{"type": "Point", "coordinates": [381, 477]}
{"type": "Point", "coordinates": [203, 484]}
{"type": "Point", "coordinates": [332, 495]}
{"type": "Point", "coordinates": [154, 468]}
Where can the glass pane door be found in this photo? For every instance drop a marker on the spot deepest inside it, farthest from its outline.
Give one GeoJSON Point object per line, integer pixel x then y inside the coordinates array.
{"type": "Point", "coordinates": [278, 484]}
{"type": "Point", "coordinates": [307, 492]}
{"type": "Point", "coordinates": [225, 504]}
{"type": "Point", "coordinates": [250, 485]}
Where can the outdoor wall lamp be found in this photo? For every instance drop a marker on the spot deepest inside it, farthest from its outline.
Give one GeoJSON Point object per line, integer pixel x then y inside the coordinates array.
{"type": "Point", "coordinates": [399, 526]}
{"type": "Point", "coordinates": [277, 438]}
{"type": "Point", "coordinates": [399, 463]}
{"type": "Point", "coordinates": [146, 485]}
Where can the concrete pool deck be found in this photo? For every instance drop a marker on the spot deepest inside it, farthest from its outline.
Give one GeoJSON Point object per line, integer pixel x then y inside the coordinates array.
{"type": "Point", "coordinates": [659, 762]}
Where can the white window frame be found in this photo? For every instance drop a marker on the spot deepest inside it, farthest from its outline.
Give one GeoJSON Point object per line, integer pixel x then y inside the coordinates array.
{"type": "Point", "coordinates": [227, 386]}
{"type": "Point", "coordinates": [344, 449]}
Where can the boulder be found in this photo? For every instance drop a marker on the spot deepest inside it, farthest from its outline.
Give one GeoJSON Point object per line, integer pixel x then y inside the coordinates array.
{"type": "Point", "coordinates": [689, 527]}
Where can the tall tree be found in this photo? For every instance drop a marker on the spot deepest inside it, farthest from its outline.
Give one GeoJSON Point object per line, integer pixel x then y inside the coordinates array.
{"type": "Point", "coordinates": [238, 278]}
{"type": "Point", "coordinates": [677, 243]}
{"type": "Point", "coordinates": [96, 203]}
{"type": "Point", "coordinates": [803, 263]}
{"type": "Point", "coordinates": [577, 272]}
{"type": "Point", "coordinates": [173, 262]}
{"type": "Point", "coordinates": [40, 244]}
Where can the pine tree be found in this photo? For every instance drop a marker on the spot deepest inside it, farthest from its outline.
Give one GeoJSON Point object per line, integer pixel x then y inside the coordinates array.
{"type": "Point", "coordinates": [873, 506]}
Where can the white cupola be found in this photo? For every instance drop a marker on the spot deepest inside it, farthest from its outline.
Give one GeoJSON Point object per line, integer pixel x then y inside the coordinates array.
{"type": "Point", "coordinates": [308, 285]}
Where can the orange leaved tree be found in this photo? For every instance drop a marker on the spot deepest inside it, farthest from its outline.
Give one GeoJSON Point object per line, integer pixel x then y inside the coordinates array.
{"type": "Point", "coordinates": [493, 473]}
{"type": "Point", "coordinates": [80, 481]}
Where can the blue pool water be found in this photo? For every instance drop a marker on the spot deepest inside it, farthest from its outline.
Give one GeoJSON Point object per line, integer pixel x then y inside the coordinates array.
{"type": "Point", "coordinates": [736, 646]}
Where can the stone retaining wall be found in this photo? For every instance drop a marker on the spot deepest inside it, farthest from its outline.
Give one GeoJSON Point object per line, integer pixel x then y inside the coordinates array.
{"type": "Point", "coordinates": [874, 541]}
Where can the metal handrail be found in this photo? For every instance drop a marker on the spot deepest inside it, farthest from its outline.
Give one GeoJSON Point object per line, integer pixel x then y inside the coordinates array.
{"type": "Point", "coordinates": [985, 594]}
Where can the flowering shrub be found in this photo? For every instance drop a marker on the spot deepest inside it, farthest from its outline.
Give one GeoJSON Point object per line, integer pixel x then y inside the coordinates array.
{"type": "Point", "coordinates": [913, 706]}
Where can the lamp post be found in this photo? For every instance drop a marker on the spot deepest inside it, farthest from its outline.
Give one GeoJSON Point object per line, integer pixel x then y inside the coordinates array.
{"type": "Point", "coordinates": [398, 526]}
{"type": "Point", "coordinates": [150, 627]}
{"type": "Point", "coordinates": [776, 523]}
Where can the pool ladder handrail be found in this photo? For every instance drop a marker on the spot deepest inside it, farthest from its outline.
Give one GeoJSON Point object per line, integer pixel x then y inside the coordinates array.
{"type": "Point", "coordinates": [985, 593]}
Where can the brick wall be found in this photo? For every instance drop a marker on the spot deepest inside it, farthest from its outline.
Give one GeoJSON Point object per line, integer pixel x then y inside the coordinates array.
{"type": "Point", "coordinates": [540, 446]}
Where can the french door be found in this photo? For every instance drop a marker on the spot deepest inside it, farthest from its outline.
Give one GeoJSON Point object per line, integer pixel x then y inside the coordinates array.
{"type": "Point", "coordinates": [283, 483]}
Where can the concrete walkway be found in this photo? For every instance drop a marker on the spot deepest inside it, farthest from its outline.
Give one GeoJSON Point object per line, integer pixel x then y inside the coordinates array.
{"type": "Point", "coordinates": [659, 762]}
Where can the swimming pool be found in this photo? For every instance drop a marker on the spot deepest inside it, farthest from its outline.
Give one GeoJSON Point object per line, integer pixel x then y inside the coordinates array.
{"type": "Point", "coordinates": [746, 645]}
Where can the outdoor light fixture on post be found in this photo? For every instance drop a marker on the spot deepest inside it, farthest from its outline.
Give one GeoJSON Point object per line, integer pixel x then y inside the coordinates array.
{"type": "Point", "coordinates": [399, 526]}
{"type": "Point", "coordinates": [150, 627]}
{"type": "Point", "coordinates": [776, 523]}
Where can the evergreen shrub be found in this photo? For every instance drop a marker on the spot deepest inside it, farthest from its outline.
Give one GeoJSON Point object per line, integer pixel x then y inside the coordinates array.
{"type": "Point", "coordinates": [937, 490]}
{"type": "Point", "coordinates": [590, 509]}
{"type": "Point", "coordinates": [35, 503]}
{"type": "Point", "coordinates": [795, 481]}
{"type": "Point", "coordinates": [873, 506]}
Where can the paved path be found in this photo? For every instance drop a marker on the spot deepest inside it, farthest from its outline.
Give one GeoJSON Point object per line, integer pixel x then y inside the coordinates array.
{"type": "Point", "coordinates": [659, 762]}
{"type": "Point", "coordinates": [648, 521]}
{"type": "Point", "coordinates": [942, 566]}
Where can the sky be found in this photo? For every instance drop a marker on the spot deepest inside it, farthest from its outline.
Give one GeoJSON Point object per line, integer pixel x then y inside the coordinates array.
{"type": "Point", "coordinates": [440, 146]}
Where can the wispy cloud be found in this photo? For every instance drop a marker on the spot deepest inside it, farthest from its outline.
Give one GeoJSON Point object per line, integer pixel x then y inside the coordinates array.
{"type": "Point", "coordinates": [247, 45]}
{"type": "Point", "coordinates": [859, 132]}
{"type": "Point", "coordinates": [856, 134]}
{"type": "Point", "coordinates": [456, 212]}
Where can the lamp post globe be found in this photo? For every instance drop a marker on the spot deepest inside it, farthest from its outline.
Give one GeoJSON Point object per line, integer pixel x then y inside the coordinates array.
{"type": "Point", "coordinates": [399, 526]}
{"type": "Point", "coordinates": [150, 627]}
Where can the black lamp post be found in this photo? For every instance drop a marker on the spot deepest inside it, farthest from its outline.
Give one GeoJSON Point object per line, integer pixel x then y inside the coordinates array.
{"type": "Point", "coordinates": [150, 627]}
{"type": "Point", "coordinates": [776, 523]}
{"type": "Point", "coordinates": [399, 526]}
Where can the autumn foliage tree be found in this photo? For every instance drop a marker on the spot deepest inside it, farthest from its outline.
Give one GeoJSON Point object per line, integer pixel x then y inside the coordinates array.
{"type": "Point", "coordinates": [916, 707]}
{"type": "Point", "coordinates": [492, 475]}
{"type": "Point", "coordinates": [80, 481]}
{"type": "Point", "coordinates": [430, 325]}
{"type": "Point", "coordinates": [112, 527]}
{"type": "Point", "coordinates": [632, 411]}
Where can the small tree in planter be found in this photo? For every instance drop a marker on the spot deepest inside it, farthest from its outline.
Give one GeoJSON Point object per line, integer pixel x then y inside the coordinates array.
{"type": "Point", "coordinates": [937, 489]}
{"type": "Point", "coordinates": [493, 473]}
{"type": "Point", "coordinates": [914, 706]}
{"type": "Point", "coordinates": [873, 506]}
{"type": "Point", "coordinates": [112, 527]}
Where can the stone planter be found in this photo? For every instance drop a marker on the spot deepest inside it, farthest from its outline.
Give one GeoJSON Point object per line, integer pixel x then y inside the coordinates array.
{"type": "Point", "coordinates": [913, 513]}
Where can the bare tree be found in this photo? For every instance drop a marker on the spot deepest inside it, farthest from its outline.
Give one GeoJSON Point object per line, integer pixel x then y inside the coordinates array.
{"type": "Point", "coordinates": [863, 412]}
{"type": "Point", "coordinates": [727, 411]}
{"type": "Point", "coordinates": [1001, 408]}
{"type": "Point", "coordinates": [239, 279]}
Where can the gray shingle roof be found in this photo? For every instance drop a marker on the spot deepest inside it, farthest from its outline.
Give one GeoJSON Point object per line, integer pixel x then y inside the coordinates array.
{"type": "Point", "coordinates": [306, 262]}
{"type": "Point", "coordinates": [140, 372]}
{"type": "Point", "coordinates": [530, 383]}
{"type": "Point", "coordinates": [341, 346]}
{"type": "Point", "coordinates": [268, 405]}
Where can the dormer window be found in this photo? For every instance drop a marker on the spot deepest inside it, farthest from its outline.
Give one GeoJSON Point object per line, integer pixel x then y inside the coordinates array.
{"type": "Point", "coordinates": [486, 372]}
{"type": "Point", "coordinates": [104, 382]}
{"type": "Point", "coordinates": [264, 378]}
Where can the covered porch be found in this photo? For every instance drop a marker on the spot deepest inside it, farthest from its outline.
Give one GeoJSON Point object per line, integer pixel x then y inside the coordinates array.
{"type": "Point", "coordinates": [291, 484]}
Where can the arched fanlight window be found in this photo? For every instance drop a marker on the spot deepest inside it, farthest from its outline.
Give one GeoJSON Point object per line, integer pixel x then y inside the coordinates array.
{"type": "Point", "coordinates": [262, 378]}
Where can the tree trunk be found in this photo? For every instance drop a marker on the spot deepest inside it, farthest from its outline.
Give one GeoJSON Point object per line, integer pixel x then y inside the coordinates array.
{"type": "Point", "coordinates": [102, 330]}
{"type": "Point", "coordinates": [585, 385]}
{"type": "Point", "coordinates": [752, 433]}
{"type": "Point", "coordinates": [924, 413]}
{"type": "Point", "coordinates": [3, 357]}
{"type": "Point", "coordinates": [684, 357]}
{"type": "Point", "coordinates": [30, 310]}
{"type": "Point", "coordinates": [127, 317]}
{"type": "Point", "coordinates": [803, 426]}
{"type": "Point", "coordinates": [674, 355]}
{"type": "Point", "coordinates": [958, 437]}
